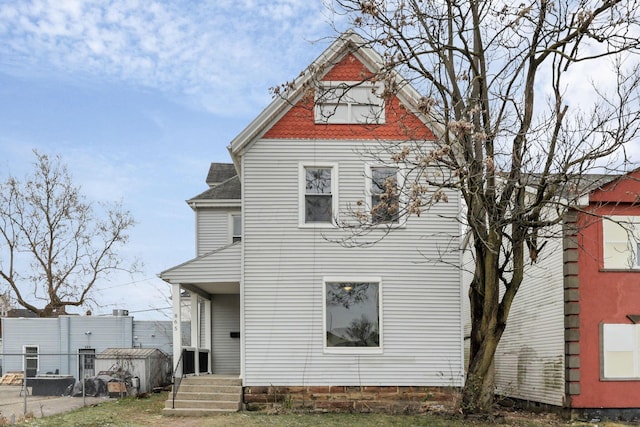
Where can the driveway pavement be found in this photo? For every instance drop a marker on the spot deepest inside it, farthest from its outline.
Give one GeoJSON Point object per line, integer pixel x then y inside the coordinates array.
{"type": "Point", "coordinates": [12, 404]}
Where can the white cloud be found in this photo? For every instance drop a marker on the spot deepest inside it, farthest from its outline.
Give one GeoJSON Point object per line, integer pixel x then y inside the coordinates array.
{"type": "Point", "coordinates": [203, 50]}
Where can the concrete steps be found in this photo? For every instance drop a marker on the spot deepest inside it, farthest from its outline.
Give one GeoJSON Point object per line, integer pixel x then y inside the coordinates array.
{"type": "Point", "coordinates": [205, 395]}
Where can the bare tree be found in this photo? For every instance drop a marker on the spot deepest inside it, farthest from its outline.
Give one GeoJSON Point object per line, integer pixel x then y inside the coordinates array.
{"type": "Point", "coordinates": [54, 246]}
{"type": "Point", "coordinates": [521, 128]}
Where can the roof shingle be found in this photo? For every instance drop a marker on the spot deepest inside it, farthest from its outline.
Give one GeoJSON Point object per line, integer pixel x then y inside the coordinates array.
{"type": "Point", "coordinates": [220, 172]}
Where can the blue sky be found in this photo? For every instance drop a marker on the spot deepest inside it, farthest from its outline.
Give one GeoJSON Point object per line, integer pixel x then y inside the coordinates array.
{"type": "Point", "coordinates": [138, 97]}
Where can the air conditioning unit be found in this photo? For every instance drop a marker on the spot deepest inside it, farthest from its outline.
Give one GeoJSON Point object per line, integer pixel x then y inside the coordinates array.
{"type": "Point", "coordinates": [120, 312]}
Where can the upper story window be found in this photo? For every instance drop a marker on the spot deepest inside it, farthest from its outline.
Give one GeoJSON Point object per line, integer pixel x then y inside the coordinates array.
{"type": "Point", "coordinates": [349, 102]}
{"type": "Point", "coordinates": [236, 228]}
{"type": "Point", "coordinates": [318, 194]}
{"type": "Point", "coordinates": [352, 315]}
{"type": "Point", "coordinates": [621, 351]}
{"type": "Point", "coordinates": [383, 194]}
{"type": "Point", "coordinates": [621, 243]}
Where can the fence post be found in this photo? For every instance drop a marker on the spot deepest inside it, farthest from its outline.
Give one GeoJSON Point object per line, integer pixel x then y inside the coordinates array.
{"type": "Point", "coordinates": [84, 379]}
{"type": "Point", "coordinates": [24, 381]}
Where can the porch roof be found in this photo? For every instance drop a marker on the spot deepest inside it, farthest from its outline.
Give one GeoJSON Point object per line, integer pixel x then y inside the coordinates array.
{"type": "Point", "coordinates": [215, 272]}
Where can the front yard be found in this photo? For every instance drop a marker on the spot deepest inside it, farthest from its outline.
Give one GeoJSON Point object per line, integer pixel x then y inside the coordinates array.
{"type": "Point", "coordinates": [131, 412]}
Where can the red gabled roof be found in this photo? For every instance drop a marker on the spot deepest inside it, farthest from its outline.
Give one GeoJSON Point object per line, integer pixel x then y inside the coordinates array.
{"type": "Point", "coordinates": [349, 58]}
{"type": "Point", "coordinates": [299, 121]}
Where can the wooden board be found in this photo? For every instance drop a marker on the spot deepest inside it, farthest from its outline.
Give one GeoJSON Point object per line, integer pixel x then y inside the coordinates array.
{"type": "Point", "coordinates": [12, 378]}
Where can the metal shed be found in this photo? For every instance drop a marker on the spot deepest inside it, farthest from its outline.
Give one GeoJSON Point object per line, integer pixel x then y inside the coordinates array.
{"type": "Point", "coordinates": [150, 365]}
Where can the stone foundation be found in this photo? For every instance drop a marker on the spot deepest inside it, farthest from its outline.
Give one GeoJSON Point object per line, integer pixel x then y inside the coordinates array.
{"type": "Point", "coordinates": [387, 399]}
{"type": "Point", "coordinates": [596, 415]}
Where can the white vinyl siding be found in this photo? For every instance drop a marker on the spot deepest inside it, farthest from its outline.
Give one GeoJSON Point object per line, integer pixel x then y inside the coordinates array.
{"type": "Point", "coordinates": [202, 321]}
{"type": "Point", "coordinates": [225, 312]}
{"type": "Point", "coordinates": [224, 262]}
{"type": "Point", "coordinates": [213, 229]}
{"type": "Point", "coordinates": [620, 351]}
{"type": "Point", "coordinates": [284, 267]}
{"type": "Point", "coordinates": [621, 236]}
{"type": "Point", "coordinates": [529, 361]}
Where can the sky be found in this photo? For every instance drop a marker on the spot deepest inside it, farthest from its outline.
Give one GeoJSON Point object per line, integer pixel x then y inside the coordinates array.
{"type": "Point", "coordinates": [138, 98]}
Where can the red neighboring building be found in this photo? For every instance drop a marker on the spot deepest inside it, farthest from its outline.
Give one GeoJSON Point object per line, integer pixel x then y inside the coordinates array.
{"type": "Point", "coordinates": [603, 369]}
{"type": "Point", "coordinates": [573, 336]}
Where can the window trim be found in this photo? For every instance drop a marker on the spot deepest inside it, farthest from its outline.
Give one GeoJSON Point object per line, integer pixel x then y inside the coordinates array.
{"type": "Point", "coordinates": [368, 193]}
{"type": "Point", "coordinates": [353, 350]}
{"type": "Point", "coordinates": [25, 357]}
{"type": "Point", "coordinates": [347, 85]}
{"type": "Point", "coordinates": [609, 221]}
{"type": "Point", "coordinates": [635, 350]}
{"type": "Point", "coordinates": [82, 360]}
{"type": "Point", "coordinates": [302, 192]}
{"type": "Point", "coordinates": [232, 235]}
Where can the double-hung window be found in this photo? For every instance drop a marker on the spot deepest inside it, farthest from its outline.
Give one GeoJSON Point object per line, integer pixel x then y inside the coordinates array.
{"type": "Point", "coordinates": [352, 311]}
{"type": "Point", "coordinates": [318, 198]}
{"type": "Point", "coordinates": [236, 228]}
{"type": "Point", "coordinates": [383, 194]}
{"type": "Point", "coordinates": [349, 103]}
{"type": "Point", "coordinates": [31, 363]}
{"type": "Point", "coordinates": [621, 351]}
{"type": "Point", "coordinates": [621, 235]}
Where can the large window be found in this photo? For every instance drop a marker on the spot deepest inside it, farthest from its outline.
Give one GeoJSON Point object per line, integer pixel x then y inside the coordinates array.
{"type": "Point", "coordinates": [349, 102]}
{"type": "Point", "coordinates": [383, 194]}
{"type": "Point", "coordinates": [621, 242]}
{"type": "Point", "coordinates": [352, 315]}
{"type": "Point", "coordinates": [318, 198]}
{"type": "Point", "coordinates": [621, 351]}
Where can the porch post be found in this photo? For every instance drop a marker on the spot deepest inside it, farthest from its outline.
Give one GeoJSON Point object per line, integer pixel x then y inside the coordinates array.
{"type": "Point", "coordinates": [207, 334]}
{"type": "Point", "coordinates": [195, 330]}
{"type": "Point", "coordinates": [177, 329]}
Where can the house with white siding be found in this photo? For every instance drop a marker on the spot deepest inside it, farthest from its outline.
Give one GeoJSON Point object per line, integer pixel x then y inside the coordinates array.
{"type": "Point", "coordinates": [273, 300]}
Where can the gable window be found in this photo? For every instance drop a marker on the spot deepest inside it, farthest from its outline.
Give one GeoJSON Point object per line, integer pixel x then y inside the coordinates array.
{"type": "Point", "coordinates": [621, 244]}
{"type": "Point", "coordinates": [352, 315]}
{"type": "Point", "coordinates": [236, 228]}
{"type": "Point", "coordinates": [318, 198]}
{"type": "Point", "coordinates": [349, 102]}
{"type": "Point", "coordinates": [620, 351]}
{"type": "Point", "coordinates": [383, 195]}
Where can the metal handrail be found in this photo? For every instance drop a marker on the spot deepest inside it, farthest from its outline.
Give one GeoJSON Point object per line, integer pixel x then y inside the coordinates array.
{"type": "Point", "coordinates": [177, 380]}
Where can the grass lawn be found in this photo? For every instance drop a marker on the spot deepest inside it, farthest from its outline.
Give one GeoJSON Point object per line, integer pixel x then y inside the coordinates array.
{"type": "Point", "coordinates": [130, 412]}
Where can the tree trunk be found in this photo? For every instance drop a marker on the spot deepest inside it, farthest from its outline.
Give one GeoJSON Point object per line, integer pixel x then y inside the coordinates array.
{"type": "Point", "coordinates": [487, 326]}
{"type": "Point", "coordinates": [478, 390]}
